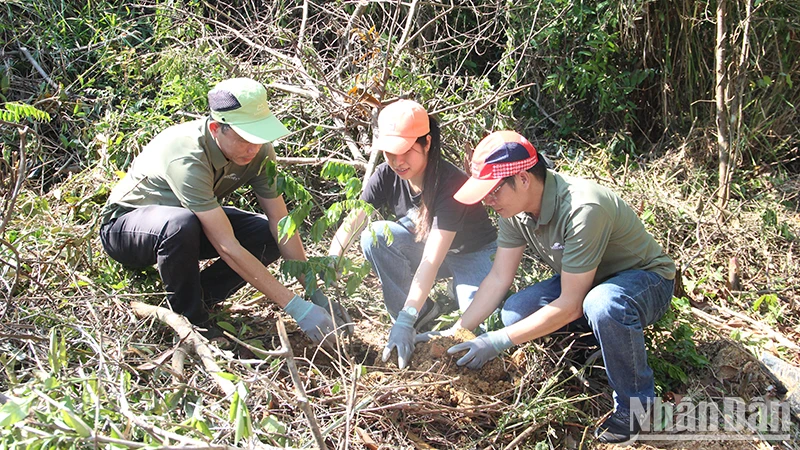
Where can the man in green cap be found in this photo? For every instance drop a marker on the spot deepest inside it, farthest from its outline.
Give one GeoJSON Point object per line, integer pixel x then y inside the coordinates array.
{"type": "Point", "coordinates": [167, 211]}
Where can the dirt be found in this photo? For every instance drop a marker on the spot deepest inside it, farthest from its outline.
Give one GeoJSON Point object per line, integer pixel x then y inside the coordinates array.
{"type": "Point", "coordinates": [494, 378]}
{"type": "Point", "coordinates": [436, 392]}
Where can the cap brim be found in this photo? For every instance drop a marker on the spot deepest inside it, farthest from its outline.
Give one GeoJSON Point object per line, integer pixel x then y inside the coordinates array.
{"type": "Point", "coordinates": [393, 144]}
{"type": "Point", "coordinates": [262, 131]}
{"type": "Point", "coordinates": [474, 190]}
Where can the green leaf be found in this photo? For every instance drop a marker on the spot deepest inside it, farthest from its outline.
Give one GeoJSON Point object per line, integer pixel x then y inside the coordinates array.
{"type": "Point", "coordinates": [14, 411]}
{"type": "Point", "coordinates": [352, 284]}
{"type": "Point", "coordinates": [272, 425]}
{"type": "Point", "coordinates": [76, 423]}
{"type": "Point", "coordinates": [227, 327]}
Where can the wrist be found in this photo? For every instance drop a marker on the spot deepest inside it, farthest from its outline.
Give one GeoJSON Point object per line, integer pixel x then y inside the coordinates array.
{"type": "Point", "coordinates": [298, 308]}
{"type": "Point", "coordinates": [404, 318]}
{"type": "Point", "coordinates": [500, 340]}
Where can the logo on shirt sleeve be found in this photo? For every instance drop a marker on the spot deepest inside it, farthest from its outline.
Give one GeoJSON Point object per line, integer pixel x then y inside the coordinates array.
{"type": "Point", "coordinates": [557, 246]}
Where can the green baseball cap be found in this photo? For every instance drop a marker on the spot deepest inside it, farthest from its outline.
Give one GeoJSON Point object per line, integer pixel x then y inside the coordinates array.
{"type": "Point", "coordinates": [242, 104]}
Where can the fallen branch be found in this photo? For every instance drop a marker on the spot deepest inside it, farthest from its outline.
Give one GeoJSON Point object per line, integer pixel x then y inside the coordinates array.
{"type": "Point", "coordinates": [522, 436]}
{"type": "Point", "coordinates": [38, 68]}
{"type": "Point", "coordinates": [754, 326]}
{"type": "Point", "coordinates": [187, 334]}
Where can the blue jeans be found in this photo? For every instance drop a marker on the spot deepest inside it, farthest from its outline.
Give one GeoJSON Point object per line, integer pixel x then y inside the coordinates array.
{"type": "Point", "coordinates": [616, 311]}
{"type": "Point", "coordinates": [397, 263]}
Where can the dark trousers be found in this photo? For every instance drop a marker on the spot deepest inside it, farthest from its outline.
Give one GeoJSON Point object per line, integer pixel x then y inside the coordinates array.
{"type": "Point", "coordinates": [173, 239]}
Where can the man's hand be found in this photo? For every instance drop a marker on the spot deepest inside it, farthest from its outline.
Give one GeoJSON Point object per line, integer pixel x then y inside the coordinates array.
{"type": "Point", "coordinates": [482, 349]}
{"type": "Point", "coordinates": [401, 337]}
{"type": "Point", "coordinates": [335, 309]}
{"type": "Point", "coordinates": [312, 319]}
{"type": "Point", "coordinates": [425, 337]}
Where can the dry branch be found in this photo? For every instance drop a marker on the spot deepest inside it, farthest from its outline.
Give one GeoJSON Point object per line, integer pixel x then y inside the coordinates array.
{"type": "Point", "coordinates": [754, 326]}
{"type": "Point", "coordinates": [38, 68]}
{"type": "Point", "coordinates": [302, 399]}
{"type": "Point", "coordinates": [21, 172]}
{"type": "Point", "coordinates": [186, 332]}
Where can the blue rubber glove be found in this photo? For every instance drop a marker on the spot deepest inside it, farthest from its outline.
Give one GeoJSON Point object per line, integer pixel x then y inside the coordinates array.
{"type": "Point", "coordinates": [482, 349]}
{"type": "Point", "coordinates": [312, 319]}
{"type": "Point", "coordinates": [339, 313]}
{"type": "Point", "coordinates": [401, 337]}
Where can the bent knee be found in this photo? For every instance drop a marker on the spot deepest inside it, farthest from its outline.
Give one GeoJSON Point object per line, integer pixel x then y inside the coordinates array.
{"type": "Point", "coordinates": [183, 226]}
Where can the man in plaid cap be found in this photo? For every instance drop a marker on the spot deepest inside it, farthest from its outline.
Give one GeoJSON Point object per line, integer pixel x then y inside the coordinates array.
{"type": "Point", "coordinates": [167, 211]}
{"type": "Point", "coordinates": [611, 276]}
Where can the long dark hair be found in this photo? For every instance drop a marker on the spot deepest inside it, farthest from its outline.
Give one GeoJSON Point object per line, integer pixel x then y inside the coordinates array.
{"type": "Point", "coordinates": [430, 182]}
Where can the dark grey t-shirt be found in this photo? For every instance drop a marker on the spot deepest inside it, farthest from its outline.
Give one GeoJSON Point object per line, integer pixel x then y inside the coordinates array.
{"type": "Point", "coordinates": [471, 223]}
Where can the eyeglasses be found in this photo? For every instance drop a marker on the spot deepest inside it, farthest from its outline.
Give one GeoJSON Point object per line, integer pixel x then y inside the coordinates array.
{"type": "Point", "coordinates": [493, 194]}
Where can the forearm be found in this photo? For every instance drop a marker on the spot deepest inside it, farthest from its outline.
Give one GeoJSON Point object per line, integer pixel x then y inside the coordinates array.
{"type": "Point", "coordinates": [254, 272]}
{"type": "Point", "coordinates": [490, 293]}
{"type": "Point", "coordinates": [544, 321]}
{"type": "Point", "coordinates": [351, 227]}
{"type": "Point", "coordinates": [421, 284]}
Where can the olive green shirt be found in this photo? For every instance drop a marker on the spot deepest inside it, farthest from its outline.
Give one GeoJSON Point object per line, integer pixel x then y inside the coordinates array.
{"type": "Point", "coordinates": [183, 166]}
{"type": "Point", "coordinates": [583, 226]}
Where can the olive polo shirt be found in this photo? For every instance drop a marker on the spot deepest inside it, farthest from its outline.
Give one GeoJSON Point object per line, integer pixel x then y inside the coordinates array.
{"type": "Point", "coordinates": [183, 166]}
{"type": "Point", "coordinates": [583, 226]}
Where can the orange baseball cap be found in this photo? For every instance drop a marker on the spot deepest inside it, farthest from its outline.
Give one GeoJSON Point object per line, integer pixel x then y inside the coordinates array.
{"type": "Point", "coordinates": [400, 125]}
{"type": "Point", "coordinates": [499, 155]}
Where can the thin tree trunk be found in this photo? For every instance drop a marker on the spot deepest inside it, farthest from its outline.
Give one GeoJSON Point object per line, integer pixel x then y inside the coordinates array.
{"type": "Point", "coordinates": [723, 143]}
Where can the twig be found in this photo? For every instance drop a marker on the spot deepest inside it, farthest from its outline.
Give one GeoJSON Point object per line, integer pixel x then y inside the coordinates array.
{"type": "Point", "coordinates": [373, 156]}
{"type": "Point", "coordinates": [522, 436]}
{"type": "Point", "coordinates": [301, 34]}
{"type": "Point", "coordinates": [783, 340]}
{"type": "Point", "coordinates": [38, 68]}
{"type": "Point", "coordinates": [289, 161]}
{"type": "Point", "coordinates": [309, 94]}
{"type": "Point", "coordinates": [22, 168]}
{"type": "Point", "coordinates": [178, 360]}
{"type": "Point", "coordinates": [286, 352]}
{"type": "Point", "coordinates": [412, 11]}
{"type": "Point", "coordinates": [16, 268]}
{"type": "Point", "coordinates": [759, 329]}
{"type": "Point", "coordinates": [186, 333]}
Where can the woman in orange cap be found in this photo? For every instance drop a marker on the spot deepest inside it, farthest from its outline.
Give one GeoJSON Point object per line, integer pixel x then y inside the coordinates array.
{"type": "Point", "coordinates": [434, 236]}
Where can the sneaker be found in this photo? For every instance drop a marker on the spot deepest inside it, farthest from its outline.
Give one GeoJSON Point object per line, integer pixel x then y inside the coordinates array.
{"type": "Point", "coordinates": [619, 428]}
{"type": "Point", "coordinates": [429, 316]}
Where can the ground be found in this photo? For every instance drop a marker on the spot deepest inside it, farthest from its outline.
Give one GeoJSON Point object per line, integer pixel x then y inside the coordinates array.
{"type": "Point", "coordinates": [436, 404]}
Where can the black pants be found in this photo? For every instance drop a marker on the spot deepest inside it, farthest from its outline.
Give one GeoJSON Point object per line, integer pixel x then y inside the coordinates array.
{"type": "Point", "coordinates": [173, 238]}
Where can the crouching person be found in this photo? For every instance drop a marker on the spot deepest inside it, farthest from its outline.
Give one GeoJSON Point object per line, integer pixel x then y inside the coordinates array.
{"type": "Point", "coordinates": [611, 276]}
{"type": "Point", "coordinates": [166, 211]}
{"type": "Point", "coordinates": [434, 235]}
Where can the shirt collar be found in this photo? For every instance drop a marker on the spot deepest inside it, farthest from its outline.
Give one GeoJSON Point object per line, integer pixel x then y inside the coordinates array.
{"type": "Point", "coordinates": [548, 203]}
{"type": "Point", "coordinates": [215, 155]}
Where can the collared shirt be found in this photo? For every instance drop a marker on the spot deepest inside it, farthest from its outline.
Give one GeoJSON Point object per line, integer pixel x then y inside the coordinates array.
{"type": "Point", "coordinates": [183, 166]}
{"type": "Point", "coordinates": [583, 226]}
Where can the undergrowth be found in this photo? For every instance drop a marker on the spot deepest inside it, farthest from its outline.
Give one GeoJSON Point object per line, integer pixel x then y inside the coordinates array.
{"type": "Point", "coordinates": [79, 370]}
